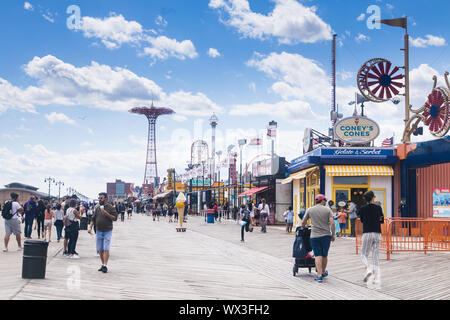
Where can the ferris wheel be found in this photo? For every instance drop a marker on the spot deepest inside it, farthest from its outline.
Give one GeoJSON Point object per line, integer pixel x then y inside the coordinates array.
{"type": "Point", "coordinates": [199, 153]}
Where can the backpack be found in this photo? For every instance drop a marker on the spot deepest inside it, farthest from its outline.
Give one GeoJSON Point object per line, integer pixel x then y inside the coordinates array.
{"type": "Point", "coordinates": [7, 211]}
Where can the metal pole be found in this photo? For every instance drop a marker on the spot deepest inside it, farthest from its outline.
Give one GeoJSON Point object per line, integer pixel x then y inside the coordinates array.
{"type": "Point", "coordinates": [406, 49]}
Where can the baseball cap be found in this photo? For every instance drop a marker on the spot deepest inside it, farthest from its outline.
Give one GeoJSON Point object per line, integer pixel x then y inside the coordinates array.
{"type": "Point", "coordinates": [320, 197]}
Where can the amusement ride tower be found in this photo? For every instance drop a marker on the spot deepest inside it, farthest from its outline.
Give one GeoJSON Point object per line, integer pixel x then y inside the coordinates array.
{"type": "Point", "coordinates": [151, 167]}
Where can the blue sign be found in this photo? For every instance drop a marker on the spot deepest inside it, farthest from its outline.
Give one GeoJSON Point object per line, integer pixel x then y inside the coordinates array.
{"type": "Point", "coordinates": [338, 155]}
{"type": "Point", "coordinates": [361, 152]}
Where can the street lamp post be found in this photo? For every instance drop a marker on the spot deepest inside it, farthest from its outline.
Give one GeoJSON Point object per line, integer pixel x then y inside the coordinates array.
{"type": "Point", "coordinates": [219, 153]}
{"type": "Point", "coordinates": [50, 180]}
{"type": "Point", "coordinates": [59, 184]}
{"type": "Point", "coordinates": [203, 179]}
{"type": "Point", "coordinates": [241, 143]}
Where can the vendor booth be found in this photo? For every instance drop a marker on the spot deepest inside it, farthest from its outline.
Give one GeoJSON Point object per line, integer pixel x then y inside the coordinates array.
{"type": "Point", "coordinates": [342, 174]}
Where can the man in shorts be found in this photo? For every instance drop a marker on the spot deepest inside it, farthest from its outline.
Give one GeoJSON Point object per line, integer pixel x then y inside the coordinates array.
{"type": "Point", "coordinates": [321, 222]}
{"type": "Point", "coordinates": [12, 226]}
{"type": "Point", "coordinates": [103, 217]}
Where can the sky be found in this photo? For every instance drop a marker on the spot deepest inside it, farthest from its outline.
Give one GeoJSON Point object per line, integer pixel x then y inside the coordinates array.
{"type": "Point", "coordinates": [71, 70]}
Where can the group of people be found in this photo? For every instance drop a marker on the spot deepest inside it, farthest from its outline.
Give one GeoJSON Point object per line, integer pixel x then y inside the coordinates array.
{"type": "Point", "coordinates": [67, 215]}
{"type": "Point", "coordinates": [250, 215]}
{"type": "Point", "coordinates": [156, 210]}
{"type": "Point", "coordinates": [344, 212]}
{"type": "Point", "coordinates": [323, 232]}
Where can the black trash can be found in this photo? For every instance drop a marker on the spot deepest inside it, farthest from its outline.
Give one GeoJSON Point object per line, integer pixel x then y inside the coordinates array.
{"type": "Point", "coordinates": [84, 223]}
{"type": "Point", "coordinates": [34, 259]}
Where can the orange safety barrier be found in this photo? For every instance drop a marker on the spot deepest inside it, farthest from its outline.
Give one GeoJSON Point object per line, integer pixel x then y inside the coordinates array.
{"type": "Point", "coordinates": [410, 234]}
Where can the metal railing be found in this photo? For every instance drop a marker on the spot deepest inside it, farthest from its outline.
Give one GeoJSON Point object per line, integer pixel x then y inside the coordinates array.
{"type": "Point", "coordinates": [223, 216]}
{"type": "Point", "coordinates": [410, 234]}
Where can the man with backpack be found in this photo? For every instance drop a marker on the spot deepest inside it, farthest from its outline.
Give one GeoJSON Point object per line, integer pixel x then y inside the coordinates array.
{"type": "Point", "coordinates": [30, 210]}
{"type": "Point", "coordinates": [10, 213]}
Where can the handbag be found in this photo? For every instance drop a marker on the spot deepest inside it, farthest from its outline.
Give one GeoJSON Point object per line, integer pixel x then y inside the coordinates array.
{"type": "Point", "coordinates": [243, 223]}
{"type": "Point", "coordinates": [67, 222]}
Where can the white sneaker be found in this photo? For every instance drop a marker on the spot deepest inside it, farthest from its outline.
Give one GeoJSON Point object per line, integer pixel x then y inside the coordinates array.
{"type": "Point", "coordinates": [97, 254]}
{"type": "Point", "coordinates": [75, 256]}
{"type": "Point", "coordinates": [5, 250]}
{"type": "Point", "coordinates": [368, 274]}
{"type": "Point", "coordinates": [19, 249]}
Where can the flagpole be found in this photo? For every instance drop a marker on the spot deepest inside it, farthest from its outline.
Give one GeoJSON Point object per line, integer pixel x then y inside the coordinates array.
{"type": "Point", "coordinates": [406, 49]}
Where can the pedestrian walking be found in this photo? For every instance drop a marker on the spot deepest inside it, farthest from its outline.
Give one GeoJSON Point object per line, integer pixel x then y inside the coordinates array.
{"type": "Point", "coordinates": [216, 211]}
{"type": "Point", "coordinates": [30, 211]}
{"type": "Point", "coordinates": [121, 209]}
{"type": "Point", "coordinates": [353, 215]}
{"type": "Point", "coordinates": [170, 213]}
{"type": "Point", "coordinates": [342, 219]}
{"type": "Point", "coordinates": [129, 211]}
{"type": "Point", "coordinates": [58, 217]}
{"type": "Point", "coordinates": [48, 223]}
{"type": "Point", "coordinates": [252, 209]}
{"type": "Point", "coordinates": [72, 229]}
{"type": "Point", "coordinates": [10, 213]}
{"type": "Point", "coordinates": [264, 210]}
{"type": "Point", "coordinates": [335, 216]}
{"type": "Point", "coordinates": [289, 216]}
{"type": "Point", "coordinates": [164, 210]}
{"type": "Point", "coordinates": [148, 207]}
{"type": "Point", "coordinates": [245, 220]}
{"type": "Point", "coordinates": [103, 217]}
{"type": "Point", "coordinates": [321, 223]}
{"type": "Point", "coordinates": [372, 217]}
{"type": "Point", "coordinates": [40, 217]}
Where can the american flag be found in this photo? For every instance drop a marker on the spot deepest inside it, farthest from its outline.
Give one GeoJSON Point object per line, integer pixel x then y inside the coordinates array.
{"type": "Point", "coordinates": [255, 142]}
{"type": "Point", "coordinates": [388, 142]}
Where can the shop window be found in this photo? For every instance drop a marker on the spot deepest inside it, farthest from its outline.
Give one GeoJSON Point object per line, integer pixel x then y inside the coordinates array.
{"type": "Point", "coordinates": [354, 180]}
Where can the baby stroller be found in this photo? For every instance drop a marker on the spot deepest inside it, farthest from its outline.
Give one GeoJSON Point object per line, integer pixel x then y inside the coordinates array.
{"type": "Point", "coordinates": [302, 250]}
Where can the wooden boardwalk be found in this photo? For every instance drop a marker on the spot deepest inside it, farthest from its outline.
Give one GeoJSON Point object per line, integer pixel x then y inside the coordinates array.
{"type": "Point", "coordinates": [150, 260]}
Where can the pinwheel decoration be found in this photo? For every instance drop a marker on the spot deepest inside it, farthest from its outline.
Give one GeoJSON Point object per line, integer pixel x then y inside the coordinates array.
{"type": "Point", "coordinates": [436, 112]}
{"type": "Point", "coordinates": [378, 81]}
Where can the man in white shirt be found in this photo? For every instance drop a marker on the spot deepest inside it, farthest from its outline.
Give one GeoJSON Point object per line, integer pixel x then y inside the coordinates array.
{"type": "Point", "coordinates": [264, 211]}
{"type": "Point", "coordinates": [13, 225]}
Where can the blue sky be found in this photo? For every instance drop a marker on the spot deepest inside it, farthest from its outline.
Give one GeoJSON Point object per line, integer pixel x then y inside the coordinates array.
{"type": "Point", "coordinates": [64, 93]}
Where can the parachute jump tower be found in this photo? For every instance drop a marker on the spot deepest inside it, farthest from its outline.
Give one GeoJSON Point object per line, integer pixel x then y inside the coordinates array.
{"type": "Point", "coordinates": [151, 167]}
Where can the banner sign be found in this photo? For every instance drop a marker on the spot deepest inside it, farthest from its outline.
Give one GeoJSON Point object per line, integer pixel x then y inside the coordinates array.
{"type": "Point", "coordinates": [441, 203]}
{"type": "Point", "coordinates": [357, 130]}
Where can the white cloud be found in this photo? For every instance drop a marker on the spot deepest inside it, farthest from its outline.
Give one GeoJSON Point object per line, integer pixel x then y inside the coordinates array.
{"type": "Point", "coordinates": [430, 41]}
{"type": "Point", "coordinates": [296, 77]}
{"type": "Point", "coordinates": [361, 37]}
{"type": "Point", "coordinates": [389, 6]}
{"type": "Point", "coordinates": [361, 17]}
{"type": "Point", "coordinates": [28, 6]}
{"type": "Point", "coordinates": [163, 47]}
{"type": "Point", "coordinates": [49, 17]}
{"type": "Point", "coordinates": [97, 86]}
{"type": "Point", "coordinates": [252, 86]}
{"type": "Point", "coordinates": [213, 53]}
{"type": "Point", "coordinates": [179, 118]}
{"type": "Point", "coordinates": [293, 111]}
{"type": "Point", "coordinates": [113, 31]}
{"type": "Point", "coordinates": [290, 21]}
{"type": "Point", "coordinates": [160, 21]}
{"type": "Point", "coordinates": [344, 75]}
{"type": "Point", "coordinates": [55, 117]}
